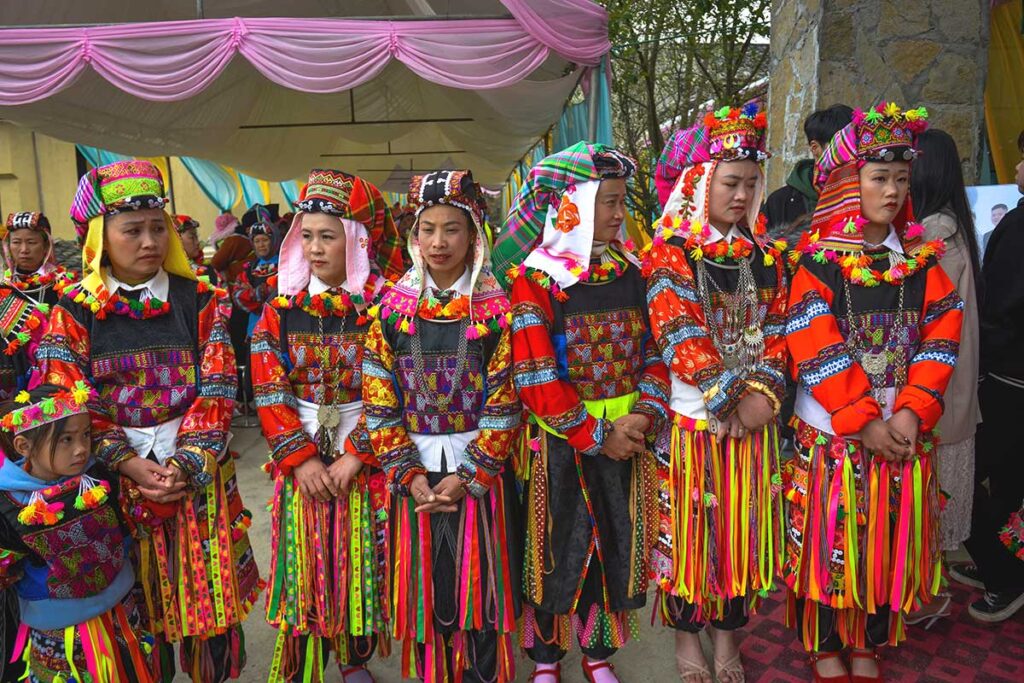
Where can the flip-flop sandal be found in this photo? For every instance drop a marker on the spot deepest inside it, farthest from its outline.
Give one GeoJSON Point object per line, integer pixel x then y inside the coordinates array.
{"type": "Point", "coordinates": [691, 671]}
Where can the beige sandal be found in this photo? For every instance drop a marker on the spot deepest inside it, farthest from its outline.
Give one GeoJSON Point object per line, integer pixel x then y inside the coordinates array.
{"type": "Point", "coordinates": [692, 672]}
{"type": "Point", "coordinates": [733, 667]}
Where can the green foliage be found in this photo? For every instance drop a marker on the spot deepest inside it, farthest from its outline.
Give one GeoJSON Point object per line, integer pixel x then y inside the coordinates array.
{"type": "Point", "coordinates": [670, 59]}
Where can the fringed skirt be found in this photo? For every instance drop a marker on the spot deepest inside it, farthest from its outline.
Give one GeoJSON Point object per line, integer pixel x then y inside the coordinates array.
{"type": "Point", "coordinates": [197, 570]}
{"type": "Point", "coordinates": [109, 648]}
{"type": "Point", "coordinates": [453, 573]}
{"type": "Point", "coordinates": [585, 514]}
{"type": "Point", "coordinates": [327, 572]}
{"type": "Point", "coordinates": [863, 535]}
{"type": "Point", "coordinates": [722, 519]}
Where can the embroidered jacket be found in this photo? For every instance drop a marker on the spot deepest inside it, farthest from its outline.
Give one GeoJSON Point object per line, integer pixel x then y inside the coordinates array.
{"type": "Point", "coordinates": [22, 325]}
{"type": "Point", "coordinates": [149, 371]}
{"type": "Point", "coordinates": [482, 397]}
{"type": "Point", "coordinates": [251, 290]}
{"type": "Point", "coordinates": [595, 345]}
{"type": "Point", "coordinates": [287, 364]}
{"type": "Point", "coordinates": [818, 332]}
{"type": "Point", "coordinates": [680, 326]}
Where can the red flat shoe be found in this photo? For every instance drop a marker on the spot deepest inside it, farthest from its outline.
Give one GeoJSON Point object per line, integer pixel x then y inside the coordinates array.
{"type": "Point", "coordinates": [589, 669]}
{"type": "Point", "coordinates": [816, 657]}
{"type": "Point", "coordinates": [555, 673]}
{"type": "Point", "coordinates": [345, 671]}
{"type": "Point", "coordinates": [866, 655]}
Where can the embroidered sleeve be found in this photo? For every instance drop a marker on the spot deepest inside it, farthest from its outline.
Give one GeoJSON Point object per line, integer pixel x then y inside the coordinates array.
{"type": "Point", "coordinates": [246, 295]}
{"type": "Point", "coordinates": [680, 329]}
{"type": "Point", "coordinates": [358, 443]}
{"type": "Point", "coordinates": [769, 377]}
{"type": "Point", "coordinates": [933, 363]}
{"type": "Point", "coordinates": [64, 358]}
{"type": "Point", "coordinates": [823, 364]}
{"type": "Point", "coordinates": [204, 429]}
{"type": "Point", "coordinates": [654, 385]}
{"type": "Point", "coordinates": [382, 406]}
{"type": "Point", "coordinates": [290, 446]}
{"type": "Point", "coordinates": [542, 388]}
{"type": "Point", "coordinates": [499, 423]}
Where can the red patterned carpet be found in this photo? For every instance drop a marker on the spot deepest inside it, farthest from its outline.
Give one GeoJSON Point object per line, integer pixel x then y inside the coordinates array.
{"type": "Point", "coordinates": [956, 648]}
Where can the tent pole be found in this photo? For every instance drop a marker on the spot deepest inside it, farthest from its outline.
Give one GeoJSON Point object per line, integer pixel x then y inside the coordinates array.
{"type": "Point", "coordinates": [592, 104]}
{"type": "Point", "coordinates": [200, 12]}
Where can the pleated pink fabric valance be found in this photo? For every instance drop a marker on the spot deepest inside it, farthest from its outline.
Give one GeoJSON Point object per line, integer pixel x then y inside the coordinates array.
{"type": "Point", "coordinates": [175, 60]}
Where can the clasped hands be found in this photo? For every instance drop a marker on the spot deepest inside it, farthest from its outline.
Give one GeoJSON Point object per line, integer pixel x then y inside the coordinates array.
{"type": "Point", "coordinates": [894, 439]}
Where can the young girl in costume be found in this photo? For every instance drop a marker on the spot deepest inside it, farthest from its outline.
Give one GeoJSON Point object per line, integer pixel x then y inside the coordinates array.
{"type": "Point", "coordinates": [873, 328]}
{"type": "Point", "coordinates": [152, 341]}
{"type": "Point", "coordinates": [588, 371]}
{"type": "Point", "coordinates": [443, 416]}
{"type": "Point", "coordinates": [327, 579]}
{"type": "Point", "coordinates": [717, 294]}
{"type": "Point", "coordinates": [65, 545]}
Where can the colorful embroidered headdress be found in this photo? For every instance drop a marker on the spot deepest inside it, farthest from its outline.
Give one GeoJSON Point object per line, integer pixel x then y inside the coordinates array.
{"type": "Point", "coordinates": [65, 403]}
{"type": "Point", "coordinates": [533, 225]}
{"type": "Point", "coordinates": [36, 222]}
{"type": "Point", "coordinates": [488, 307]}
{"type": "Point", "coordinates": [371, 240]}
{"type": "Point", "coordinates": [687, 165]}
{"type": "Point", "coordinates": [109, 190]}
{"type": "Point", "coordinates": [883, 134]}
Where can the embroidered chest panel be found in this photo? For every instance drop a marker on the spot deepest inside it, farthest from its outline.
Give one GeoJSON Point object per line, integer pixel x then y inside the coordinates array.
{"type": "Point", "coordinates": [883, 342]}
{"type": "Point", "coordinates": [446, 399]}
{"type": "Point", "coordinates": [84, 553]}
{"type": "Point", "coordinates": [145, 388]}
{"type": "Point", "coordinates": [604, 351]}
{"type": "Point", "coordinates": [342, 380]}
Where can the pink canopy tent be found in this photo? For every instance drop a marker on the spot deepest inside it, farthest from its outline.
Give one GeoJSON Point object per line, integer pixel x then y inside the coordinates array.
{"type": "Point", "coordinates": [382, 88]}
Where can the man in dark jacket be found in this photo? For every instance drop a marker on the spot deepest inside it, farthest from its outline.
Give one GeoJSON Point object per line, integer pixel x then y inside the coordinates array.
{"type": "Point", "coordinates": [997, 445]}
{"type": "Point", "coordinates": [797, 199]}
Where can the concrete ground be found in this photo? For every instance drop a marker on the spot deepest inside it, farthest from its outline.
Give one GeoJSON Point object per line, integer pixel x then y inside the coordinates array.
{"type": "Point", "coordinates": [648, 659]}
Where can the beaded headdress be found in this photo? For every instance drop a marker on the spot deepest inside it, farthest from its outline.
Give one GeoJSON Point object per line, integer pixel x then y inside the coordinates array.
{"type": "Point", "coordinates": [64, 403]}
{"type": "Point", "coordinates": [737, 133]}
{"type": "Point", "coordinates": [121, 186]}
{"type": "Point", "coordinates": [185, 223]}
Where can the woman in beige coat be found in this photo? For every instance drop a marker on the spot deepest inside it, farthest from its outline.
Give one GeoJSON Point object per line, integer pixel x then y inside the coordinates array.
{"type": "Point", "coordinates": [940, 204]}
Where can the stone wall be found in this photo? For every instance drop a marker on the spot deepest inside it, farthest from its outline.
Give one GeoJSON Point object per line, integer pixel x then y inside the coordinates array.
{"type": "Point", "coordinates": [859, 52]}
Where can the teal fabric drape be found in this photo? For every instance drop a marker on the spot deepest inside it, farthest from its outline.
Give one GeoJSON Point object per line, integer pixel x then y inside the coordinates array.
{"type": "Point", "coordinates": [290, 190]}
{"type": "Point", "coordinates": [214, 180]}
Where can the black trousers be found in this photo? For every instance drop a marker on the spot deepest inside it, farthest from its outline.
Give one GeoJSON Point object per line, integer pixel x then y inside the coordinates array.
{"type": "Point", "coordinates": [545, 649]}
{"type": "Point", "coordinates": [482, 653]}
{"type": "Point", "coordinates": [999, 460]}
{"type": "Point", "coordinates": [683, 615]}
{"type": "Point", "coordinates": [360, 651]}
{"type": "Point", "coordinates": [876, 631]}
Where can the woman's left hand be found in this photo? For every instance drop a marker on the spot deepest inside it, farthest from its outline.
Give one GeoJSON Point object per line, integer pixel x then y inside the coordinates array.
{"type": "Point", "coordinates": [447, 493]}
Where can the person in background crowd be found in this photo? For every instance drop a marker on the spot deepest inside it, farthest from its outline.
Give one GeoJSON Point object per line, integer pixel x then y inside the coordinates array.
{"type": "Point", "coordinates": [940, 203]}
{"type": "Point", "coordinates": [997, 452]}
{"type": "Point", "coordinates": [443, 417]}
{"type": "Point", "coordinates": [188, 231]}
{"type": "Point", "coordinates": [307, 352]}
{"type": "Point", "coordinates": [29, 258]}
{"type": "Point", "coordinates": [590, 375]}
{"type": "Point", "coordinates": [717, 294]}
{"type": "Point", "coordinates": [255, 283]}
{"type": "Point", "coordinates": [873, 329]}
{"type": "Point", "coordinates": [152, 342]}
{"type": "Point", "coordinates": [789, 208]}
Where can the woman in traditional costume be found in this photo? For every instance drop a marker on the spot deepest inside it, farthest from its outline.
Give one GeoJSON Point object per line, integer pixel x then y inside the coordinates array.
{"type": "Point", "coordinates": [717, 294]}
{"type": "Point", "coordinates": [873, 328]}
{"type": "Point", "coordinates": [188, 231]}
{"type": "Point", "coordinates": [31, 266]}
{"type": "Point", "coordinates": [65, 544]}
{"type": "Point", "coordinates": [590, 375]}
{"type": "Point", "coordinates": [328, 561]}
{"type": "Point", "coordinates": [253, 287]}
{"type": "Point", "coordinates": [443, 416]}
{"type": "Point", "coordinates": [152, 341]}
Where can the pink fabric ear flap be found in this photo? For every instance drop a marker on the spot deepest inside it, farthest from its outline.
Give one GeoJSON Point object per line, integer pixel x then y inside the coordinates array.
{"type": "Point", "coordinates": [292, 269]}
{"type": "Point", "coordinates": [357, 256]}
